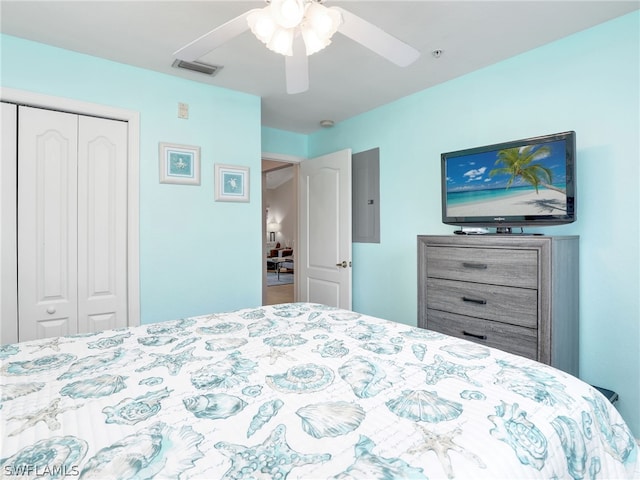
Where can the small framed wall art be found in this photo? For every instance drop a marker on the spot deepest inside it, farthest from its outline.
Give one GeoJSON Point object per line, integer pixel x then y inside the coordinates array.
{"type": "Point", "coordinates": [231, 183]}
{"type": "Point", "coordinates": [179, 164]}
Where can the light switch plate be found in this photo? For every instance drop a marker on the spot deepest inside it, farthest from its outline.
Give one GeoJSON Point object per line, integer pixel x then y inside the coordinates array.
{"type": "Point", "coordinates": [183, 110]}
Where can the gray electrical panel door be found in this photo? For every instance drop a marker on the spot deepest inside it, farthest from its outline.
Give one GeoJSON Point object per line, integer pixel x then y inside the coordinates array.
{"type": "Point", "coordinates": [366, 196]}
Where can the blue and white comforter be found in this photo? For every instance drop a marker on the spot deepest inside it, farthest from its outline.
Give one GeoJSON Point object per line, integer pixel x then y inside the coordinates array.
{"type": "Point", "coordinates": [297, 391]}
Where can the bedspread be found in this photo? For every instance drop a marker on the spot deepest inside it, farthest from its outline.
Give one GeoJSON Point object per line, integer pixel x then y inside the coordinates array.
{"type": "Point", "coordinates": [297, 391]}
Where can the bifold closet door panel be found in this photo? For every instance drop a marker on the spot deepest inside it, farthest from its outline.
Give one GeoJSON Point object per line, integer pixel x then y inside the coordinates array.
{"type": "Point", "coordinates": [102, 224]}
{"type": "Point", "coordinates": [8, 219]}
{"type": "Point", "coordinates": [47, 223]}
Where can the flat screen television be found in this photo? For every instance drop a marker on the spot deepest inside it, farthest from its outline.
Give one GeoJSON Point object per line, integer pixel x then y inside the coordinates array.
{"type": "Point", "coordinates": [526, 182]}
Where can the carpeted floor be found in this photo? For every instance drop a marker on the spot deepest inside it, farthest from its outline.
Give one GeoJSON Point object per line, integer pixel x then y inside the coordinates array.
{"type": "Point", "coordinates": [285, 278]}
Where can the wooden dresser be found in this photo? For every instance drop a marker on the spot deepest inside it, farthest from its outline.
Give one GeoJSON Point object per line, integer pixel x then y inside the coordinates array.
{"type": "Point", "coordinates": [518, 293]}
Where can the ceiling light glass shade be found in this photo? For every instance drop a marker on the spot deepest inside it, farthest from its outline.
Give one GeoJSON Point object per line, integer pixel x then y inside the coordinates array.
{"type": "Point", "coordinates": [262, 24]}
{"type": "Point", "coordinates": [319, 25]}
{"type": "Point", "coordinates": [322, 20]}
{"type": "Point", "coordinates": [312, 42]}
{"type": "Point", "coordinates": [282, 41]}
{"type": "Point", "coordinates": [287, 13]}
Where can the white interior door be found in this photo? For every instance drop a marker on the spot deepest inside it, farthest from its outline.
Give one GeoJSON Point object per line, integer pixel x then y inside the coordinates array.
{"type": "Point", "coordinates": [325, 230]}
{"type": "Point", "coordinates": [47, 223]}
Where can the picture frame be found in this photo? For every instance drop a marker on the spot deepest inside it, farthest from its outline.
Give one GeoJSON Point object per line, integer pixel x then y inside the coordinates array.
{"type": "Point", "coordinates": [179, 164]}
{"type": "Point", "coordinates": [231, 183]}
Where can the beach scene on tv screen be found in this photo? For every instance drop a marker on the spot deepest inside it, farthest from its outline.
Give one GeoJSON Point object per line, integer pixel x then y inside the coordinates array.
{"type": "Point", "coordinates": [522, 181]}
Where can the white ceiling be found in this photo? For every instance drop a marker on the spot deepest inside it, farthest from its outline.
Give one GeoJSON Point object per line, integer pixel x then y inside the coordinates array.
{"type": "Point", "coordinates": [346, 79]}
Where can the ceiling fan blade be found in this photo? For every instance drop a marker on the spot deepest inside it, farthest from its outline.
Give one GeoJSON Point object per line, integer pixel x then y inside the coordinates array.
{"type": "Point", "coordinates": [297, 68]}
{"type": "Point", "coordinates": [376, 39]}
{"type": "Point", "coordinates": [213, 39]}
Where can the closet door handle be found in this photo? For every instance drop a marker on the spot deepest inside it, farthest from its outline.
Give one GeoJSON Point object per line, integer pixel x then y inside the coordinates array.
{"type": "Point", "coordinates": [51, 310]}
{"type": "Point", "coordinates": [477, 266]}
{"type": "Point", "coordinates": [474, 335]}
{"type": "Point", "coordinates": [479, 301]}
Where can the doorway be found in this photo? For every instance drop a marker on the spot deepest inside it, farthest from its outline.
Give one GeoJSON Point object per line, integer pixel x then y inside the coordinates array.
{"type": "Point", "coordinates": [317, 240]}
{"type": "Point", "coordinates": [280, 231]}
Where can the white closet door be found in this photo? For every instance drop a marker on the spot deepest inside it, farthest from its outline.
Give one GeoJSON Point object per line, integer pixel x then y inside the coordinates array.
{"type": "Point", "coordinates": [47, 223]}
{"type": "Point", "coordinates": [102, 224]}
{"type": "Point", "coordinates": [72, 224]}
{"type": "Point", "coordinates": [8, 248]}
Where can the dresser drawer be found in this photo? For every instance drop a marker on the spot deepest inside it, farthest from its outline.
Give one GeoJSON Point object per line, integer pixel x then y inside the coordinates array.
{"type": "Point", "coordinates": [517, 306]}
{"type": "Point", "coordinates": [498, 266]}
{"type": "Point", "coordinates": [510, 338]}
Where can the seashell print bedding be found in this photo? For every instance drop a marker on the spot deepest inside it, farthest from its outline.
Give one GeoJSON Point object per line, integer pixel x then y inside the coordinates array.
{"type": "Point", "coordinates": [298, 391]}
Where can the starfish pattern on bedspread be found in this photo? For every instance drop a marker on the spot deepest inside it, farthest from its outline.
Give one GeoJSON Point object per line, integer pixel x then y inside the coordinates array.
{"type": "Point", "coordinates": [47, 415]}
{"type": "Point", "coordinates": [441, 444]}
{"type": "Point", "coordinates": [53, 344]}
{"type": "Point", "coordinates": [274, 457]}
{"type": "Point", "coordinates": [173, 362]}
{"type": "Point", "coordinates": [274, 355]}
{"type": "Point", "coordinates": [441, 369]}
{"type": "Point", "coordinates": [321, 324]}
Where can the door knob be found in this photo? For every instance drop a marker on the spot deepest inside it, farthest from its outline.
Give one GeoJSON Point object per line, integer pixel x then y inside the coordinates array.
{"type": "Point", "coordinates": [51, 310]}
{"type": "Point", "coordinates": [343, 264]}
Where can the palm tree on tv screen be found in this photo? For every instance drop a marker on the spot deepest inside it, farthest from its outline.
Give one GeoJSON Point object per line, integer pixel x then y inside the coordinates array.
{"type": "Point", "coordinates": [520, 163]}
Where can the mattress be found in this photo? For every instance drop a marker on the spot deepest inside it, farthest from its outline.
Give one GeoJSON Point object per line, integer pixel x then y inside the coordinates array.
{"type": "Point", "coordinates": [299, 391]}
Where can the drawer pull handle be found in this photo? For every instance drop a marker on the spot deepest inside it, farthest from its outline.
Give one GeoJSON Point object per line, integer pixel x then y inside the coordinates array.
{"type": "Point", "coordinates": [474, 335]}
{"type": "Point", "coordinates": [477, 266]}
{"type": "Point", "coordinates": [479, 301]}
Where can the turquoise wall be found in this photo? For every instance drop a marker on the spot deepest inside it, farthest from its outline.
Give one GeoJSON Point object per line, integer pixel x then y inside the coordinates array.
{"type": "Point", "coordinates": [187, 240]}
{"type": "Point", "coordinates": [283, 142]}
{"type": "Point", "coordinates": [588, 82]}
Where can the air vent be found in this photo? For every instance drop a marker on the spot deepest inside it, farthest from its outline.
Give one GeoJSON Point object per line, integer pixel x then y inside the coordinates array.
{"type": "Point", "coordinates": [199, 67]}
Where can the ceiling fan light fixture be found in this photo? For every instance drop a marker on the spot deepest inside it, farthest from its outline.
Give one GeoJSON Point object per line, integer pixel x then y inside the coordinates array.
{"type": "Point", "coordinates": [277, 24]}
{"type": "Point", "coordinates": [297, 29]}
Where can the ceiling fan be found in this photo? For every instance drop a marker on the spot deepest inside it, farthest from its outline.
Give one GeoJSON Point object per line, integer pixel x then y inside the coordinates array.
{"type": "Point", "coordinates": [297, 29]}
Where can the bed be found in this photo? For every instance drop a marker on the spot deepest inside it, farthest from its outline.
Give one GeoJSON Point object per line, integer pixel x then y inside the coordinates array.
{"type": "Point", "coordinates": [298, 391]}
